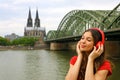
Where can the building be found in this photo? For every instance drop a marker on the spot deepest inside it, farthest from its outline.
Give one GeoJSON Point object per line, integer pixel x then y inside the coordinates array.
{"type": "Point", "coordinates": [35, 30]}
{"type": "Point", "coordinates": [12, 36]}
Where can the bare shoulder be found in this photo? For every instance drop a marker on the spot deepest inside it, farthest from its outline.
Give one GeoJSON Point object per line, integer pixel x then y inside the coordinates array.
{"type": "Point", "coordinates": [101, 74]}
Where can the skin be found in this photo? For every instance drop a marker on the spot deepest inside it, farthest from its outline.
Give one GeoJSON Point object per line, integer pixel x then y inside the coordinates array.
{"type": "Point", "coordinates": [86, 44]}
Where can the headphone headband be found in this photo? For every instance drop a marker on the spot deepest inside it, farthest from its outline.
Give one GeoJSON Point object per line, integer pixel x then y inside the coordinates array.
{"type": "Point", "coordinates": [102, 34]}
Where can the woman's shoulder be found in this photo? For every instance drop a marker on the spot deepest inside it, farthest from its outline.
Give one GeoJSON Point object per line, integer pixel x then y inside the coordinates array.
{"type": "Point", "coordinates": [106, 66]}
{"type": "Point", "coordinates": [73, 60]}
{"type": "Point", "coordinates": [106, 63]}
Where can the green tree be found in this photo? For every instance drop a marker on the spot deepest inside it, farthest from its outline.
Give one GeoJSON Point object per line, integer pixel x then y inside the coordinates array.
{"type": "Point", "coordinates": [4, 41]}
{"type": "Point", "coordinates": [24, 41]}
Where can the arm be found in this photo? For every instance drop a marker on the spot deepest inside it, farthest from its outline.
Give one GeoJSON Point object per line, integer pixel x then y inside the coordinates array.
{"type": "Point", "coordinates": [74, 69]}
{"type": "Point", "coordinates": [99, 75]}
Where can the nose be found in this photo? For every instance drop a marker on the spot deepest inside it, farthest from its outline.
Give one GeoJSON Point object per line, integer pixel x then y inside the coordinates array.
{"type": "Point", "coordinates": [83, 40]}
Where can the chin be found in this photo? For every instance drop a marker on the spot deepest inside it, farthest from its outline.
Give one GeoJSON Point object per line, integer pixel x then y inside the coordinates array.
{"type": "Point", "coordinates": [83, 50]}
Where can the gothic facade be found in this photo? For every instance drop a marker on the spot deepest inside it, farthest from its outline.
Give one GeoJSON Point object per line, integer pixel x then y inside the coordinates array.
{"type": "Point", "coordinates": [35, 30]}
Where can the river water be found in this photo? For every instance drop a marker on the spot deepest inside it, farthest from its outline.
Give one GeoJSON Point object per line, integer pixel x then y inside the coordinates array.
{"type": "Point", "coordinates": [39, 65]}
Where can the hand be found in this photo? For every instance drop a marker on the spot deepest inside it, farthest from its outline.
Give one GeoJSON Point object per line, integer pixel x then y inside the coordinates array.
{"type": "Point", "coordinates": [96, 53]}
{"type": "Point", "coordinates": [78, 49]}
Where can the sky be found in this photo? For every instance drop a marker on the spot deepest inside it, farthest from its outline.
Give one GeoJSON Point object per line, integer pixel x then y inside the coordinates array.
{"type": "Point", "coordinates": [14, 13]}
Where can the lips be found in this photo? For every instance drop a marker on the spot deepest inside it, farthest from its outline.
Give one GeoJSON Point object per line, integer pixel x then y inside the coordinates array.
{"type": "Point", "coordinates": [83, 46]}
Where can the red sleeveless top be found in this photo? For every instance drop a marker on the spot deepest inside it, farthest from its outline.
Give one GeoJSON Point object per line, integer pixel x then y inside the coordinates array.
{"type": "Point", "coordinates": [105, 66]}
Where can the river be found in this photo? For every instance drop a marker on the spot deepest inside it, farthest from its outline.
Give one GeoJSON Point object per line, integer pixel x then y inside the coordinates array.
{"type": "Point", "coordinates": [39, 65]}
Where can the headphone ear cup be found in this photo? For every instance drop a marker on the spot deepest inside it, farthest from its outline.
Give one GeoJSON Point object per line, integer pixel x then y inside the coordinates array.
{"type": "Point", "coordinates": [102, 35]}
{"type": "Point", "coordinates": [99, 43]}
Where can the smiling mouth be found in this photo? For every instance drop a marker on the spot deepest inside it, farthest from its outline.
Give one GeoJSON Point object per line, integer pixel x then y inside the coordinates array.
{"type": "Point", "coordinates": [83, 46]}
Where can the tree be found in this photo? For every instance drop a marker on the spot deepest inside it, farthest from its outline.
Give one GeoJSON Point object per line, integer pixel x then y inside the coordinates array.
{"type": "Point", "coordinates": [4, 41]}
{"type": "Point", "coordinates": [24, 41]}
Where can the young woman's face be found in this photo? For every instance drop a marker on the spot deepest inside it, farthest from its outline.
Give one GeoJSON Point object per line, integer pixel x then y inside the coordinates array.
{"type": "Point", "coordinates": [86, 42]}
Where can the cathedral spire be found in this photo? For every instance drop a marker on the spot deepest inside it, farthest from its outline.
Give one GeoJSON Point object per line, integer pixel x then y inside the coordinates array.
{"type": "Point", "coordinates": [37, 20]}
{"type": "Point", "coordinates": [29, 15]}
{"type": "Point", "coordinates": [29, 20]}
{"type": "Point", "coordinates": [37, 16]}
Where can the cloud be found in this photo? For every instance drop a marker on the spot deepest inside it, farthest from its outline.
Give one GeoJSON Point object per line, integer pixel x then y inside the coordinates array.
{"type": "Point", "coordinates": [14, 13]}
{"type": "Point", "coordinates": [12, 26]}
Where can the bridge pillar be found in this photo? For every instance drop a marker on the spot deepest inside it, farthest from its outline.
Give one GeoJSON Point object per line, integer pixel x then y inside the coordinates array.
{"type": "Point", "coordinates": [58, 46]}
{"type": "Point", "coordinates": [112, 48]}
{"type": "Point", "coordinates": [72, 45]}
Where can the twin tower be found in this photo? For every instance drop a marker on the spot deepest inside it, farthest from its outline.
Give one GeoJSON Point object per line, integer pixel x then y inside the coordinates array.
{"type": "Point", "coordinates": [35, 30]}
{"type": "Point", "coordinates": [30, 21]}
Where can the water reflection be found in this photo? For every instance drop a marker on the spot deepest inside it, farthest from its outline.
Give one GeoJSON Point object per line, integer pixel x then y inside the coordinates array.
{"type": "Point", "coordinates": [11, 65]}
{"type": "Point", "coordinates": [32, 68]}
{"type": "Point", "coordinates": [39, 65]}
{"type": "Point", "coordinates": [44, 65]}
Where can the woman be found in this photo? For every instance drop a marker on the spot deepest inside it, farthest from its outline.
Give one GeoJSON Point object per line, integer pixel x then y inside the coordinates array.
{"type": "Point", "coordinates": [90, 62]}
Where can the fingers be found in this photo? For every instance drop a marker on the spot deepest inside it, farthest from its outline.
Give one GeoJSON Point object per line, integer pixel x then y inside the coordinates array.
{"type": "Point", "coordinates": [94, 49]}
{"type": "Point", "coordinates": [78, 47]}
{"type": "Point", "coordinates": [100, 49]}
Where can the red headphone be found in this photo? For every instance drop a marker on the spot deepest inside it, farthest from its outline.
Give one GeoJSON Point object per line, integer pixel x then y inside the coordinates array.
{"type": "Point", "coordinates": [102, 35]}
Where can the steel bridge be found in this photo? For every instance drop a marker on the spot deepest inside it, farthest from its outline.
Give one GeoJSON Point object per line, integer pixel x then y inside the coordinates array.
{"type": "Point", "coordinates": [76, 22]}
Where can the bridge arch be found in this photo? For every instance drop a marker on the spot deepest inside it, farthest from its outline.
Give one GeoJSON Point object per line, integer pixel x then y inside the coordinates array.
{"type": "Point", "coordinates": [77, 21]}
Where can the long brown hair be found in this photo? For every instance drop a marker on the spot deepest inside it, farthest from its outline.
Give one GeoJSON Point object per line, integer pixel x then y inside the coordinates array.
{"type": "Point", "coordinates": [98, 61]}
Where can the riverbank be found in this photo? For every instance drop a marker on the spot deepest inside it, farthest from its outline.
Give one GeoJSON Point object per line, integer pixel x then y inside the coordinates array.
{"type": "Point", "coordinates": [43, 46]}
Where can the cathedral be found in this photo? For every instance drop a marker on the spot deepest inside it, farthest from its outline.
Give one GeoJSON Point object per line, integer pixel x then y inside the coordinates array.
{"type": "Point", "coordinates": [35, 30]}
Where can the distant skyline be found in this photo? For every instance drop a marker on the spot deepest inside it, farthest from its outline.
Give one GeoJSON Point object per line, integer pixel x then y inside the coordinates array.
{"type": "Point", "coordinates": [14, 13]}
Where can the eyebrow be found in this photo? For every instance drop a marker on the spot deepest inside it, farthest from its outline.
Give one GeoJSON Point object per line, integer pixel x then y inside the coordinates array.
{"type": "Point", "coordinates": [87, 37]}
{"type": "Point", "coordinates": [90, 38]}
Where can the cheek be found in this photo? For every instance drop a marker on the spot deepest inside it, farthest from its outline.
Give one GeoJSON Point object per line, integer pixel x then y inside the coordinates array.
{"type": "Point", "coordinates": [90, 46]}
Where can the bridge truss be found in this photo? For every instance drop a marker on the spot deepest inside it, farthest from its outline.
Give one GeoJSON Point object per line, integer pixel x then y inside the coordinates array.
{"type": "Point", "coordinates": [77, 21]}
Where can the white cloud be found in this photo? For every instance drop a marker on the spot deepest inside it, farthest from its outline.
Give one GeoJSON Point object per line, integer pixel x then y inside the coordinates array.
{"type": "Point", "coordinates": [14, 13]}
{"type": "Point", "coordinates": [12, 26]}
{"type": "Point", "coordinates": [24, 1]}
{"type": "Point", "coordinates": [36, 1]}
{"type": "Point", "coordinates": [3, 5]}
